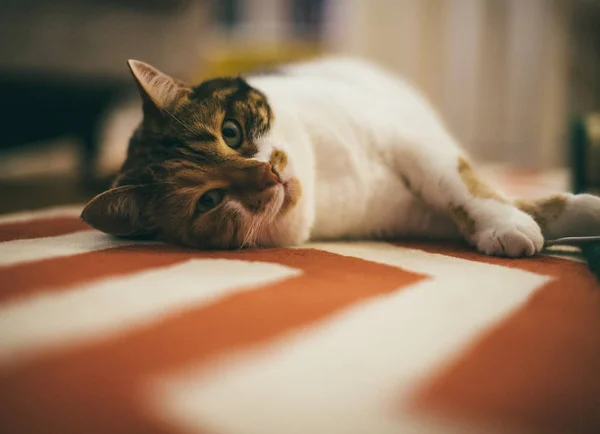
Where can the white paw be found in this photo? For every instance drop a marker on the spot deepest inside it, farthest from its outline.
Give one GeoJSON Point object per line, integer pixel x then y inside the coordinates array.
{"type": "Point", "coordinates": [513, 235]}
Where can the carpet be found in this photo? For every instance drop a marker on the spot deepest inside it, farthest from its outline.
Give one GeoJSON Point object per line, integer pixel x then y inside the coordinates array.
{"type": "Point", "coordinates": [99, 335]}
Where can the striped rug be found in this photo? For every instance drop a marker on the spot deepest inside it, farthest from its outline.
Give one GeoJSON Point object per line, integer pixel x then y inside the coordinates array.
{"type": "Point", "coordinates": [108, 336]}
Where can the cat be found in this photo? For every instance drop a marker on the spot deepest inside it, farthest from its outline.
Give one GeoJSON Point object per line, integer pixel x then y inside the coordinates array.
{"type": "Point", "coordinates": [327, 149]}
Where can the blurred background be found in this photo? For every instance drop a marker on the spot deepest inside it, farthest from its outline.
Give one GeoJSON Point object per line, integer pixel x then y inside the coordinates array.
{"type": "Point", "coordinates": [518, 81]}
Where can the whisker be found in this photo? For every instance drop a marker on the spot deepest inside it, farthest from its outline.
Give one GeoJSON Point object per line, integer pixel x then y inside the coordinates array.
{"type": "Point", "coordinates": [187, 127]}
{"type": "Point", "coordinates": [167, 196]}
{"type": "Point", "coordinates": [131, 186]}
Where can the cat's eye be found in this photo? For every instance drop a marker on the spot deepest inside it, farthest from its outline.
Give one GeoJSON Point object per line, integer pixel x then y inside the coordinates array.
{"type": "Point", "coordinates": [209, 200]}
{"type": "Point", "coordinates": [232, 134]}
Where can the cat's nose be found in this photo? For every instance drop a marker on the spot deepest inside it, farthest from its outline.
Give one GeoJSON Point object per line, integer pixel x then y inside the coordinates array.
{"type": "Point", "coordinates": [268, 177]}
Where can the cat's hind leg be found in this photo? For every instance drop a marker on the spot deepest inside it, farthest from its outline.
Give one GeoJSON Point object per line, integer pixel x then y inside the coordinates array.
{"type": "Point", "coordinates": [565, 215]}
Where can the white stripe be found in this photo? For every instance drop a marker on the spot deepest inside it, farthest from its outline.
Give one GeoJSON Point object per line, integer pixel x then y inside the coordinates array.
{"type": "Point", "coordinates": [351, 373]}
{"type": "Point", "coordinates": [48, 213]}
{"type": "Point", "coordinates": [35, 249]}
{"type": "Point", "coordinates": [113, 305]}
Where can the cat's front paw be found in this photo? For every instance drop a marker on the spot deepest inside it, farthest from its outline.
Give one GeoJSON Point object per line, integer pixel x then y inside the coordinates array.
{"type": "Point", "coordinates": [514, 236]}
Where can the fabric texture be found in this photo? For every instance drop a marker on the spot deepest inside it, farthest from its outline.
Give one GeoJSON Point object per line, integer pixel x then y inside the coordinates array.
{"type": "Point", "coordinates": [99, 335]}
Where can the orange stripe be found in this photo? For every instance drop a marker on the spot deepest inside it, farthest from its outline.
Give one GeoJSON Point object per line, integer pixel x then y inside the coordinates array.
{"type": "Point", "coordinates": [540, 369]}
{"type": "Point", "coordinates": [98, 388]}
{"type": "Point", "coordinates": [41, 228]}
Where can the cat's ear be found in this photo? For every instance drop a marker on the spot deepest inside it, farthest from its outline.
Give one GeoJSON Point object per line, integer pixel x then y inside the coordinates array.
{"type": "Point", "coordinates": [156, 87]}
{"type": "Point", "coordinates": [118, 211]}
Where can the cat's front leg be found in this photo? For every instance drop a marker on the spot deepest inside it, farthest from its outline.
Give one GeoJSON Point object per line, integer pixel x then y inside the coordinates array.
{"type": "Point", "coordinates": [490, 222]}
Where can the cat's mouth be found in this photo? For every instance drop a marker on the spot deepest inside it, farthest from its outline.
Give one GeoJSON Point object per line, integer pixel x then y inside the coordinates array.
{"type": "Point", "coordinates": [279, 196]}
{"type": "Point", "coordinates": [286, 191]}
{"type": "Point", "coordinates": [276, 173]}
{"type": "Point", "coordinates": [284, 182]}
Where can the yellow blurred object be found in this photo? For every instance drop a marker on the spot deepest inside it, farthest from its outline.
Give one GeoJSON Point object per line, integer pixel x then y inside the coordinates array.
{"type": "Point", "coordinates": [239, 60]}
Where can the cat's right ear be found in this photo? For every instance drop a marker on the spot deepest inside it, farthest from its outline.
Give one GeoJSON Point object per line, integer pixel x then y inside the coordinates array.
{"type": "Point", "coordinates": [118, 211]}
{"type": "Point", "coordinates": [158, 90]}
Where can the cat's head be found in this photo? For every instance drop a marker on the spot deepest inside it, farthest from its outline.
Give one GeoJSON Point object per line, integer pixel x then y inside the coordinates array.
{"type": "Point", "coordinates": [201, 169]}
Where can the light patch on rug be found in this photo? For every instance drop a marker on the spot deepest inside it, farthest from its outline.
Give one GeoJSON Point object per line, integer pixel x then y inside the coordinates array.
{"type": "Point", "coordinates": [21, 251]}
{"type": "Point", "coordinates": [56, 319]}
{"type": "Point", "coordinates": [52, 212]}
{"type": "Point", "coordinates": [345, 374]}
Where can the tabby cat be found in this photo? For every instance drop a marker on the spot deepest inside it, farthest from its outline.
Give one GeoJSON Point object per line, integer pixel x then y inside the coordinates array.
{"type": "Point", "coordinates": [327, 149]}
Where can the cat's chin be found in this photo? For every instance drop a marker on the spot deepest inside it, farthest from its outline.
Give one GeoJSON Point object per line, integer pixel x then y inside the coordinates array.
{"type": "Point", "coordinates": [279, 225]}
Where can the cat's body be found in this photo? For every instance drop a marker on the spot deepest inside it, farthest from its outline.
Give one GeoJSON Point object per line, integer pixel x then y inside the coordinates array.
{"type": "Point", "coordinates": [355, 152]}
{"type": "Point", "coordinates": [357, 123]}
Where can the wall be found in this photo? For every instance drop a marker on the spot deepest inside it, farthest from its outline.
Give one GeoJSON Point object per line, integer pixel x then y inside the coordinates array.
{"type": "Point", "coordinates": [497, 70]}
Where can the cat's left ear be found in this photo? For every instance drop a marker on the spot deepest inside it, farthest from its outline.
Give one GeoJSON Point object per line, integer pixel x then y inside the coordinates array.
{"type": "Point", "coordinates": [119, 211]}
{"type": "Point", "coordinates": [156, 87]}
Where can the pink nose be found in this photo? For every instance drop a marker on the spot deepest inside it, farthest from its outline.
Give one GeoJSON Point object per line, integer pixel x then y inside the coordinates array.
{"type": "Point", "coordinates": [268, 177]}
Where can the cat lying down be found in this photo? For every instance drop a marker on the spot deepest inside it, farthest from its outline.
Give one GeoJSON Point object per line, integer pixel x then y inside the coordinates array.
{"type": "Point", "coordinates": [328, 149]}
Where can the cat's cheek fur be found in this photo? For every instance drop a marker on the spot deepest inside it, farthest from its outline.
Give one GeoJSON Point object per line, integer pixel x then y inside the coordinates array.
{"type": "Point", "coordinates": [265, 147]}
